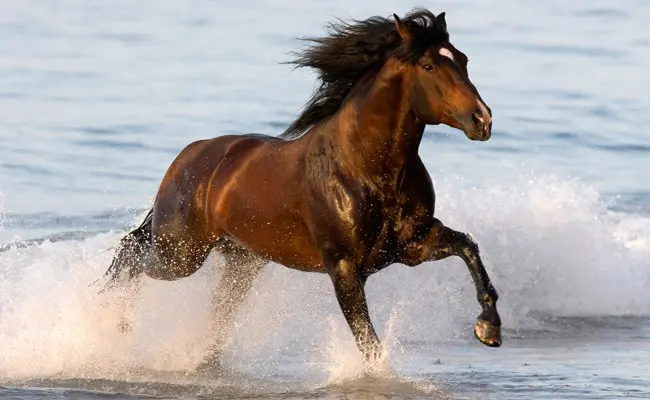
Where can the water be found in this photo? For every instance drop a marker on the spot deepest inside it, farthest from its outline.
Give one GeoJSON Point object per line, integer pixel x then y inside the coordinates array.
{"type": "Point", "coordinates": [97, 98]}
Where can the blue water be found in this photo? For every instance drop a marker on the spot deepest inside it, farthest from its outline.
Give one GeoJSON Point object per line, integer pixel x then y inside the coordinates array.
{"type": "Point", "coordinates": [97, 98]}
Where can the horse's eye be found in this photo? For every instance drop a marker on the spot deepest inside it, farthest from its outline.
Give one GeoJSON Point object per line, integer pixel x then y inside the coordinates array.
{"type": "Point", "coordinates": [427, 67]}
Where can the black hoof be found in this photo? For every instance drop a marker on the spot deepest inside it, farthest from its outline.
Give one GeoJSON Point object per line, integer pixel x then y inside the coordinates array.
{"type": "Point", "coordinates": [487, 333]}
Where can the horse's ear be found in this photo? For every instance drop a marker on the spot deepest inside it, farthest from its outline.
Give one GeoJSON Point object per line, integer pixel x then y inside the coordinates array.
{"type": "Point", "coordinates": [441, 23]}
{"type": "Point", "coordinates": [402, 29]}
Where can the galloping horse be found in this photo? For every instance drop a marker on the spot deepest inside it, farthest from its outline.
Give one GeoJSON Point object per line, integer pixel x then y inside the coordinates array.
{"type": "Point", "coordinates": [342, 191]}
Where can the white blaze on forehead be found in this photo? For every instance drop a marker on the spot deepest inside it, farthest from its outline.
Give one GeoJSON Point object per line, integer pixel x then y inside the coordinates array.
{"type": "Point", "coordinates": [445, 52]}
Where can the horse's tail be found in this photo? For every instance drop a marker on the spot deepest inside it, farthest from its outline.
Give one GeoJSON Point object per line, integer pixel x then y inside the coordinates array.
{"type": "Point", "coordinates": [131, 253]}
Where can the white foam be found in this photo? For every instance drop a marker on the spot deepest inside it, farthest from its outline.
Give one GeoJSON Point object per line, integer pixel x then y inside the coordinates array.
{"type": "Point", "coordinates": [550, 246]}
{"type": "Point", "coordinates": [2, 212]}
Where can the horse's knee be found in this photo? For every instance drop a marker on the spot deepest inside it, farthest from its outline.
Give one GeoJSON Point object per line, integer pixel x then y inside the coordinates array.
{"type": "Point", "coordinates": [467, 246]}
{"type": "Point", "coordinates": [438, 243]}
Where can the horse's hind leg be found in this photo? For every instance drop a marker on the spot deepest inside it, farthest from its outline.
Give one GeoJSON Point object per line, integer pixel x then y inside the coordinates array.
{"type": "Point", "coordinates": [241, 268]}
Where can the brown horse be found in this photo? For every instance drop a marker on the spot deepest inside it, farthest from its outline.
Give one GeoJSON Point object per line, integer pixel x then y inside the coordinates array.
{"type": "Point", "coordinates": [342, 191]}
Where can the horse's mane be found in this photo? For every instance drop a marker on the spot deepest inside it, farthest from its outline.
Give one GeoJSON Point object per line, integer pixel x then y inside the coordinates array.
{"type": "Point", "coordinates": [350, 50]}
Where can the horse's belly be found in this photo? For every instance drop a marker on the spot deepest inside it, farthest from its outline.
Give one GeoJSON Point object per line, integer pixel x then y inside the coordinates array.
{"type": "Point", "coordinates": [270, 230]}
{"type": "Point", "coordinates": [291, 248]}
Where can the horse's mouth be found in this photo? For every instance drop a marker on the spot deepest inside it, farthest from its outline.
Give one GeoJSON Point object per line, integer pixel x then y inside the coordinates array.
{"type": "Point", "coordinates": [479, 135]}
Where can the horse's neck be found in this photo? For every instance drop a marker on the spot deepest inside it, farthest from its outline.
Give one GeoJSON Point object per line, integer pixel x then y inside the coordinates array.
{"type": "Point", "coordinates": [377, 128]}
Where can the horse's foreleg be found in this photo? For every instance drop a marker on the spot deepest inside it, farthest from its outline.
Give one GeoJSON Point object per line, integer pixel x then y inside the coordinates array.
{"type": "Point", "coordinates": [241, 268]}
{"type": "Point", "coordinates": [441, 242]}
{"type": "Point", "coordinates": [349, 288]}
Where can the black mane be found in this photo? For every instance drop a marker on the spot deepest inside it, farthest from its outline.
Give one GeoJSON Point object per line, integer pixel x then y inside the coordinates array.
{"type": "Point", "coordinates": [350, 50]}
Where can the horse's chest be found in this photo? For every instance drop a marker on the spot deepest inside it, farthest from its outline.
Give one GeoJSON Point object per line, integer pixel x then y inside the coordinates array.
{"type": "Point", "coordinates": [401, 224]}
{"type": "Point", "coordinates": [361, 221]}
{"type": "Point", "coordinates": [378, 228]}
{"type": "Point", "coordinates": [383, 249]}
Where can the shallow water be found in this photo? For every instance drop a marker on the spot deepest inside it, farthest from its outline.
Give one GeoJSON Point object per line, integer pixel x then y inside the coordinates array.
{"type": "Point", "coordinates": [97, 99]}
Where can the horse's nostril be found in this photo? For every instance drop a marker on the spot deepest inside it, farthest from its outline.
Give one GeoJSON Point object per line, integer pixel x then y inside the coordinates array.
{"type": "Point", "coordinates": [476, 118]}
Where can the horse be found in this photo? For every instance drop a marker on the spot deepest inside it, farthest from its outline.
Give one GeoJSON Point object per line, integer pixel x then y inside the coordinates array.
{"type": "Point", "coordinates": [342, 191]}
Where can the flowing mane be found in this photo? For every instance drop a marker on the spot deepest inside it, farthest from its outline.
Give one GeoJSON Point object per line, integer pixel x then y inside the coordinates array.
{"type": "Point", "coordinates": [350, 50]}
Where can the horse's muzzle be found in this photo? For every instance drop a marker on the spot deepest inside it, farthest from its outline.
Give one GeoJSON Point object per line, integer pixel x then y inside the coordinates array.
{"type": "Point", "coordinates": [478, 125]}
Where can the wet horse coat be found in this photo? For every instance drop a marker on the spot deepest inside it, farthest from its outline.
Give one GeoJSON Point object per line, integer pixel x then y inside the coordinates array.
{"type": "Point", "coordinates": [343, 191]}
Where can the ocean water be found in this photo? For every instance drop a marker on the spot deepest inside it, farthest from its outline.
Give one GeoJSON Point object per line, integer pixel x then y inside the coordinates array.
{"type": "Point", "coordinates": [97, 98]}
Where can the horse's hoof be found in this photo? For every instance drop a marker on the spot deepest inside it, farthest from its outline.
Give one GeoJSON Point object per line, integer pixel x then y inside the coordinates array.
{"type": "Point", "coordinates": [487, 333]}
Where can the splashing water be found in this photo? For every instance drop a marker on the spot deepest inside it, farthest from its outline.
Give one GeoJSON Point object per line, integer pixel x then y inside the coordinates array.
{"type": "Point", "coordinates": [551, 247]}
{"type": "Point", "coordinates": [2, 212]}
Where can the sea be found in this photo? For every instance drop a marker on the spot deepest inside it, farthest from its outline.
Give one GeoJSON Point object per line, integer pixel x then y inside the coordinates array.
{"type": "Point", "coordinates": [98, 97]}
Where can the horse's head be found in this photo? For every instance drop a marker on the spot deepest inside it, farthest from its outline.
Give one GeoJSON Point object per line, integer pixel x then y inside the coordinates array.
{"type": "Point", "coordinates": [441, 91]}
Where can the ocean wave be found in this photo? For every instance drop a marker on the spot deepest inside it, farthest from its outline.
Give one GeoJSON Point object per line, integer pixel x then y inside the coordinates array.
{"type": "Point", "coordinates": [553, 249]}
